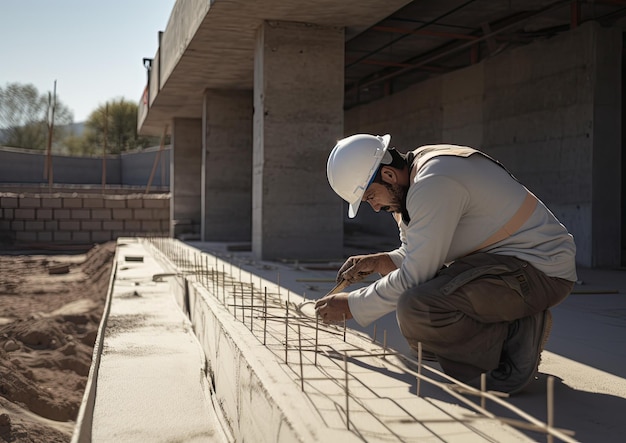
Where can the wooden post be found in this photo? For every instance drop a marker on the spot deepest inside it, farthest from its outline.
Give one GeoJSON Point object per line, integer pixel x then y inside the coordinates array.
{"type": "Point", "coordinates": [105, 147]}
{"type": "Point", "coordinates": [51, 108]}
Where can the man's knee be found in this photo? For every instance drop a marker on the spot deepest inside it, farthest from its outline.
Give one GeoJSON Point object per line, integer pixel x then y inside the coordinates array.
{"type": "Point", "coordinates": [413, 309]}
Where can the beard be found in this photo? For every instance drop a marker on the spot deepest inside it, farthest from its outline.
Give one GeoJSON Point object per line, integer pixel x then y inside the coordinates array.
{"type": "Point", "coordinates": [398, 198]}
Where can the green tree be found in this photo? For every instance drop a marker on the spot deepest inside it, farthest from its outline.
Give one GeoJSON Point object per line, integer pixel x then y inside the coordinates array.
{"type": "Point", "coordinates": [24, 116]}
{"type": "Point", "coordinates": [118, 120]}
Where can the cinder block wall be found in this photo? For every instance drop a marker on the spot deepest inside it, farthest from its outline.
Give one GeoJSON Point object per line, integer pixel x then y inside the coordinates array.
{"type": "Point", "coordinates": [80, 219]}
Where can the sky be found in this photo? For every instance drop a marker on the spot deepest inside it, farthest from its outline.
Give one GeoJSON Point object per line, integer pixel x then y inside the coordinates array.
{"type": "Point", "coordinates": [93, 49]}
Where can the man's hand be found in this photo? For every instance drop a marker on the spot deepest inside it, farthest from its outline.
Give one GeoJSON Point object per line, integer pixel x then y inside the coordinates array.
{"type": "Point", "coordinates": [332, 308]}
{"type": "Point", "coordinates": [357, 267]}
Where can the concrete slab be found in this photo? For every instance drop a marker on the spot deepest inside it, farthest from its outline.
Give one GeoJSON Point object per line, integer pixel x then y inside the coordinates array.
{"type": "Point", "coordinates": [275, 374]}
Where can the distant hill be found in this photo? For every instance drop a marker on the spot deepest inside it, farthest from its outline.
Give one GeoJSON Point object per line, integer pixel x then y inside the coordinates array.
{"type": "Point", "coordinates": [76, 128]}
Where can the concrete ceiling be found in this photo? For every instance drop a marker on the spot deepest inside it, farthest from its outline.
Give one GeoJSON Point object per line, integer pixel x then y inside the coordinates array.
{"type": "Point", "coordinates": [390, 44]}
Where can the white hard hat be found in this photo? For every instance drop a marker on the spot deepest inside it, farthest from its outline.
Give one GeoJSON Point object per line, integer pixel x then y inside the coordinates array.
{"type": "Point", "coordinates": [352, 164]}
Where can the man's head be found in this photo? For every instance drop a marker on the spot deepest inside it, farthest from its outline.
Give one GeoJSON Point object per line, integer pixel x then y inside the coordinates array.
{"type": "Point", "coordinates": [362, 167]}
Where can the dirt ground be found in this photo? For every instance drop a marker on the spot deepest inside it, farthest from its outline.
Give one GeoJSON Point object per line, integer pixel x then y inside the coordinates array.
{"type": "Point", "coordinates": [50, 310]}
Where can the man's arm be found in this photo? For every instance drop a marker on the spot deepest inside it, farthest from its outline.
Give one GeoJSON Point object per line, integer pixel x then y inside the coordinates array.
{"type": "Point", "coordinates": [357, 267]}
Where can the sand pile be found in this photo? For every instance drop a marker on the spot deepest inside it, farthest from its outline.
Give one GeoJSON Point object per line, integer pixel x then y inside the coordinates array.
{"type": "Point", "coordinates": [50, 309]}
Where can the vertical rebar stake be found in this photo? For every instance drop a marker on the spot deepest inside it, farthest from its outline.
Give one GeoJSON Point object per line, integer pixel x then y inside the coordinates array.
{"type": "Point", "coordinates": [374, 335]}
{"type": "Point", "coordinates": [235, 300]}
{"type": "Point", "coordinates": [384, 343]}
{"type": "Point", "coordinates": [243, 308]}
{"type": "Point", "coordinates": [345, 370]}
{"type": "Point", "coordinates": [483, 389]}
{"type": "Point", "coordinates": [317, 328]}
{"type": "Point", "coordinates": [286, 330]}
{"type": "Point", "coordinates": [550, 399]}
{"type": "Point", "coordinates": [224, 281]}
{"type": "Point", "coordinates": [206, 266]}
{"type": "Point", "coordinates": [205, 271]}
{"type": "Point", "coordinates": [301, 368]}
{"type": "Point", "coordinates": [251, 305]}
{"type": "Point", "coordinates": [419, 369]}
{"type": "Point", "coordinates": [344, 328]}
{"type": "Point", "coordinates": [213, 272]}
{"type": "Point", "coordinates": [265, 317]}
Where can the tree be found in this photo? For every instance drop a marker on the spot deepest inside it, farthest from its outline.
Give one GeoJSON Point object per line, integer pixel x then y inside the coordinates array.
{"type": "Point", "coordinates": [24, 116]}
{"type": "Point", "coordinates": [118, 120]}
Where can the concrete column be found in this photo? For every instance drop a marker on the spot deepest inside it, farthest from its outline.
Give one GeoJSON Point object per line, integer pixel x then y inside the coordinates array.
{"type": "Point", "coordinates": [227, 166]}
{"type": "Point", "coordinates": [298, 116]}
{"type": "Point", "coordinates": [607, 147]}
{"type": "Point", "coordinates": [185, 177]}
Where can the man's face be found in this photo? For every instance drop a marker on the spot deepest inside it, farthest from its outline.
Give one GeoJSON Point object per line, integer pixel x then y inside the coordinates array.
{"type": "Point", "coordinates": [383, 196]}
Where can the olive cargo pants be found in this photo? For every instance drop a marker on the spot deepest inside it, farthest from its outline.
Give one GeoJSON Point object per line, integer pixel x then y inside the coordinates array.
{"type": "Point", "coordinates": [462, 314]}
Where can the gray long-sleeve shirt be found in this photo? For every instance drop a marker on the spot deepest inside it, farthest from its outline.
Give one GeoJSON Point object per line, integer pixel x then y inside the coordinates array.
{"type": "Point", "coordinates": [455, 204]}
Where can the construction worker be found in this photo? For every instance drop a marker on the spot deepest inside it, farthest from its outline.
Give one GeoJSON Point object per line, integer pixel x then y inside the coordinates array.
{"type": "Point", "coordinates": [480, 263]}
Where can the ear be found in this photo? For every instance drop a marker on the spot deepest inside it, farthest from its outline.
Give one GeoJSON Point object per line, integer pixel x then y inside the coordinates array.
{"type": "Point", "coordinates": [389, 175]}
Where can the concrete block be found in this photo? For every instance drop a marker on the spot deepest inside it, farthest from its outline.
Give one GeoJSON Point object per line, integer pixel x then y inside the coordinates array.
{"type": "Point", "coordinates": [44, 214]}
{"type": "Point", "coordinates": [101, 214]}
{"type": "Point", "coordinates": [91, 225]}
{"type": "Point", "coordinates": [134, 203]}
{"type": "Point", "coordinates": [17, 225]}
{"type": "Point", "coordinates": [25, 214]}
{"type": "Point", "coordinates": [51, 202]}
{"type": "Point", "coordinates": [8, 214]}
{"type": "Point", "coordinates": [163, 214]}
{"type": "Point", "coordinates": [72, 202]}
{"type": "Point", "coordinates": [142, 214]}
{"type": "Point", "coordinates": [23, 236]}
{"type": "Point", "coordinates": [81, 237]}
{"type": "Point", "coordinates": [124, 214]}
{"type": "Point", "coordinates": [150, 226]}
{"type": "Point", "coordinates": [51, 225]}
{"type": "Point", "coordinates": [112, 225]}
{"type": "Point", "coordinates": [132, 225]}
{"type": "Point", "coordinates": [91, 202]}
{"type": "Point", "coordinates": [44, 236]}
{"type": "Point", "coordinates": [30, 202]}
{"type": "Point", "coordinates": [9, 201]}
{"type": "Point", "coordinates": [80, 214]}
{"type": "Point", "coordinates": [69, 225]}
{"type": "Point", "coordinates": [155, 203]}
{"type": "Point", "coordinates": [115, 203]}
{"type": "Point", "coordinates": [62, 236]}
{"type": "Point", "coordinates": [101, 236]}
{"type": "Point", "coordinates": [61, 214]}
{"type": "Point", "coordinates": [33, 225]}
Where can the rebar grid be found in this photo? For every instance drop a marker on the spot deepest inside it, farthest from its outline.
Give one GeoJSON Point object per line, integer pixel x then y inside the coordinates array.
{"type": "Point", "coordinates": [322, 355]}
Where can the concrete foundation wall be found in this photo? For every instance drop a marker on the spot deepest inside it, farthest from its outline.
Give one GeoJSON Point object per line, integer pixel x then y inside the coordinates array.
{"type": "Point", "coordinates": [80, 219]}
{"type": "Point", "coordinates": [549, 111]}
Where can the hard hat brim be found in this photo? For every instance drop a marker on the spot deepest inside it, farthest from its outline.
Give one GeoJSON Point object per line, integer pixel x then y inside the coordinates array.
{"type": "Point", "coordinates": [353, 207]}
